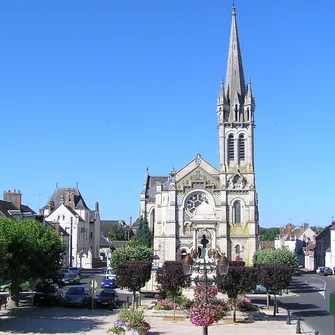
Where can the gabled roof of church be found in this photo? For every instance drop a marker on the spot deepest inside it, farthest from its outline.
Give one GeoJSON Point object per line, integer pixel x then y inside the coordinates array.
{"type": "Point", "coordinates": [78, 199]}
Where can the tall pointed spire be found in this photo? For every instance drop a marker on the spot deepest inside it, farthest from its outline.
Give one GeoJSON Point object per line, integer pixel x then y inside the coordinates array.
{"type": "Point", "coordinates": [235, 85]}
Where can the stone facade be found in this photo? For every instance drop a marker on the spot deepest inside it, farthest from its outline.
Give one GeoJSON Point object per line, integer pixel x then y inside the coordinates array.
{"type": "Point", "coordinates": [200, 199]}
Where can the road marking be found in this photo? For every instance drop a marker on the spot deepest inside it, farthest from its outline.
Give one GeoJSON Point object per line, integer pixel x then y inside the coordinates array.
{"type": "Point", "coordinates": [319, 287]}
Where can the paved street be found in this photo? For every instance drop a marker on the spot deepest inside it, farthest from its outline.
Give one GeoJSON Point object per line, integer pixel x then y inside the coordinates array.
{"type": "Point", "coordinates": [312, 304]}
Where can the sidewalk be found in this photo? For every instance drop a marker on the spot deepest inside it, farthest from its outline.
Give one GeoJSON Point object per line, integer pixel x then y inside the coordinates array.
{"type": "Point", "coordinates": [160, 326]}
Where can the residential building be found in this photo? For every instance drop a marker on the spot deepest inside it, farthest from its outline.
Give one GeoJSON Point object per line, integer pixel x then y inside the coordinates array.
{"type": "Point", "coordinates": [200, 202]}
{"type": "Point", "coordinates": [296, 239]}
{"type": "Point", "coordinates": [67, 208]}
{"type": "Point", "coordinates": [322, 256]}
{"type": "Point", "coordinates": [11, 207]}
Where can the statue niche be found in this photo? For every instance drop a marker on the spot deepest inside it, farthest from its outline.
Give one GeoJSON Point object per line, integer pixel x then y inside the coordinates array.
{"type": "Point", "coordinates": [203, 251]}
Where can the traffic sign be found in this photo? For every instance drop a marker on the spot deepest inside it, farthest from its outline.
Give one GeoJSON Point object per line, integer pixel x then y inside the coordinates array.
{"type": "Point", "coordinates": [93, 284]}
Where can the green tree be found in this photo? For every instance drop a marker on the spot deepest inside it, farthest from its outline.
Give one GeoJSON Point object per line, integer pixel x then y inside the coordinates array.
{"type": "Point", "coordinates": [143, 235]}
{"type": "Point", "coordinates": [118, 232]}
{"type": "Point", "coordinates": [268, 234]}
{"type": "Point", "coordinates": [282, 256]}
{"type": "Point", "coordinates": [127, 253]}
{"type": "Point", "coordinates": [33, 251]}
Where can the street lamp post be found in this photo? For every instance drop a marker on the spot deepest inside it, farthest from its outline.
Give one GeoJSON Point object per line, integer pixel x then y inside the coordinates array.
{"type": "Point", "coordinates": [206, 267]}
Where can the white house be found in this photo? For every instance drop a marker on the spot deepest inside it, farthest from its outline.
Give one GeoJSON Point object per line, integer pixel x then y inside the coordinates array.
{"type": "Point", "coordinates": [67, 207]}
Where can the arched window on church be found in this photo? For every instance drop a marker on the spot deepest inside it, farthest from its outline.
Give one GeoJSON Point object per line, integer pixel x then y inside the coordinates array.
{"type": "Point", "coordinates": [231, 148]}
{"type": "Point", "coordinates": [237, 212]}
{"type": "Point", "coordinates": [241, 148]}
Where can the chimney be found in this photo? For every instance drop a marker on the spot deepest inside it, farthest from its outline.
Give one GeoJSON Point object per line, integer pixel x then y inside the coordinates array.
{"type": "Point", "coordinates": [61, 200]}
{"type": "Point", "coordinates": [305, 226]}
{"type": "Point", "coordinates": [281, 231]}
{"type": "Point", "coordinates": [130, 221]}
{"type": "Point", "coordinates": [288, 229]}
{"type": "Point", "coordinates": [13, 197]}
{"type": "Point", "coordinates": [69, 197]}
{"type": "Point", "coordinates": [97, 207]}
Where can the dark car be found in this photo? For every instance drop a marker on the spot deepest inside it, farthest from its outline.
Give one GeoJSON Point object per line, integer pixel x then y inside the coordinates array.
{"type": "Point", "coordinates": [108, 297]}
{"type": "Point", "coordinates": [47, 293]}
{"type": "Point", "coordinates": [296, 272]}
{"type": "Point", "coordinates": [327, 271]}
{"type": "Point", "coordinates": [77, 296]}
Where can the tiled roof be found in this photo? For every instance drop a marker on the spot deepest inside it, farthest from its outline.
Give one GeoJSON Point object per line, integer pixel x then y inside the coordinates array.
{"type": "Point", "coordinates": [78, 199]}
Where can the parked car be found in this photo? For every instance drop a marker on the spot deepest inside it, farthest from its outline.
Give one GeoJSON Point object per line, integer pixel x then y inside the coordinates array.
{"type": "Point", "coordinates": [70, 279]}
{"type": "Point", "coordinates": [65, 271]}
{"type": "Point", "coordinates": [47, 292]}
{"type": "Point", "coordinates": [108, 297]}
{"type": "Point", "coordinates": [5, 286]}
{"type": "Point", "coordinates": [109, 273]}
{"type": "Point", "coordinates": [327, 271]}
{"type": "Point", "coordinates": [320, 269]}
{"type": "Point", "coordinates": [75, 270]}
{"type": "Point", "coordinates": [107, 282]}
{"type": "Point", "coordinates": [77, 296]}
{"type": "Point", "coordinates": [296, 272]}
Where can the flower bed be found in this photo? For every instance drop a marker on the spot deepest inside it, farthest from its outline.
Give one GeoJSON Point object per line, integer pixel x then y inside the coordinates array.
{"type": "Point", "coordinates": [131, 321]}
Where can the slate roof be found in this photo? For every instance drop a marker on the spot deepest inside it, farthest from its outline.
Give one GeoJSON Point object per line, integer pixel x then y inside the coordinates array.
{"type": "Point", "coordinates": [151, 186]}
{"type": "Point", "coordinates": [78, 199]}
{"type": "Point", "coordinates": [136, 223]}
{"type": "Point", "coordinates": [26, 209]}
{"type": "Point", "coordinates": [104, 243]}
{"type": "Point", "coordinates": [106, 226]}
{"type": "Point", "coordinates": [6, 206]}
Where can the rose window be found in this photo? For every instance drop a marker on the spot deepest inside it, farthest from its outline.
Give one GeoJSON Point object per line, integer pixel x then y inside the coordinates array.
{"type": "Point", "coordinates": [195, 201]}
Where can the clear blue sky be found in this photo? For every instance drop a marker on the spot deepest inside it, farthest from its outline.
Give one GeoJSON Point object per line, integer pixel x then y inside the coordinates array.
{"type": "Point", "coordinates": [95, 91]}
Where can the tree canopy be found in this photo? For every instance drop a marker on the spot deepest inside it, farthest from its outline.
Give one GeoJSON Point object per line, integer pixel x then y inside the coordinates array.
{"type": "Point", "coordinates": [238, 281]}
{"type": "Point", "coordinates": [31, 251]}
{"type": "Point", "coordinates": [268, 234]}
{"type": "Point", "coordinates": [170, 277]}
{"type": "Point", "coordinates": [130, 252]}
{"type": "Point", "coordinates": [282, 256]}
{"type": "Point", "coordinates": [117, 232]}
{"type": "Point", "coordinates": [143, 235]}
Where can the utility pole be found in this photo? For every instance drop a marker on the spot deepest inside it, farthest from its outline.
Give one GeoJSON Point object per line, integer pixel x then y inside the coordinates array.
{"type": "Point", "coordinates": [71, 237]}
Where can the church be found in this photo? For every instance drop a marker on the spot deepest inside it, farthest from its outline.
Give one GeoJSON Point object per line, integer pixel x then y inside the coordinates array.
{"type": "Point", "coordinates": [199, 199]}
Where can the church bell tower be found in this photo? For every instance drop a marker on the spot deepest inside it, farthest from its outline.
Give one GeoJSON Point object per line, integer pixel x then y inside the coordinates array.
{"type": "Point", "coordinates": [235, 113]}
